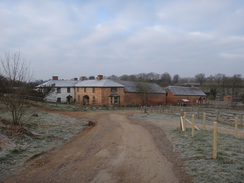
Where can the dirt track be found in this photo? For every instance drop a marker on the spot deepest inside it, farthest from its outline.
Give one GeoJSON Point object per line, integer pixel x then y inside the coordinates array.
{"type": "Point", "coordinates": [116, 149]}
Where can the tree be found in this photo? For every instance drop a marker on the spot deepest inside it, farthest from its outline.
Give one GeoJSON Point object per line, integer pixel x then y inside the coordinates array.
{"type": "Point", "coordinates": [143, 89]}
{"type": "Point", "coordinates": [200, 78]}
{"type": "Point", "coordinates": [17, 73]}
{"type": "Point", "coordinates": [166, 79]}
{"type": "Point", "coordinates": [176, 79]}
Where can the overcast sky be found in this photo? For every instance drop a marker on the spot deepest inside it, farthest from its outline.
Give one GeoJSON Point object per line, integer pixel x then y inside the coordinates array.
{"type": "Point", "coordinates": [90, 37]}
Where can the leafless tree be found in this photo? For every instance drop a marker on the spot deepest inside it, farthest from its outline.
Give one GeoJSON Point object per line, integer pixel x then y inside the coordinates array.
{"type": "Point", "coordinates": [176, 79]}
{"type": "Point", "coordinates": [143, 89]}
{"type": "Point", "coordinates": [17, 72]}
{"type": "Point", "coordinates": [200, 78]}
{"type": "Point", "coordinates": [166, 79]}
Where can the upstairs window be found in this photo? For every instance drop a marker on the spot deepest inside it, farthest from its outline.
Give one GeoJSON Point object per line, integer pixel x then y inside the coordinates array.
{"type": "Point", "coordinates": [58, 90]}
{"type": "Point", "coordinates": [113, 89]}
{"type": "Point", "coordinates": [93, 90]}
{"type": "Point", "coordinates": [84, 89]}
{"type": "Point", "coordinates": [68, 90]}
{"type": "Point", "coordinates": [78, 89]}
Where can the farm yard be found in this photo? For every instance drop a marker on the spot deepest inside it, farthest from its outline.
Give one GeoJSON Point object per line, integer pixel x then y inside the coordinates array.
{"type": "Point", "coordinates": [55, 128]}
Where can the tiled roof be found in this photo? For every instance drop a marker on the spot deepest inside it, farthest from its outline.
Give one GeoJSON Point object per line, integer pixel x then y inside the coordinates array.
{"type": "Point", "coordinates": [98, 83]}
{"type": "Point", "coordinates": [132, 87]}
{"type": "Point", "coordinates": [59, 83]}
{"type": "Point", "coordinates": [188, 91]}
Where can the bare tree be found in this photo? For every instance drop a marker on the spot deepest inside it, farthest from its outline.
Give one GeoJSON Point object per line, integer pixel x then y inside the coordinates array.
{"type": "Point", "coordinates": [176, 79]}
{"type": "Point", "coordinates": [17, 72]}
{"type": "Point", "coordinates": [166, 79]}
{"type": "Point", "coordinates": [200, 78]}
{"type": "Point", "coordinates": [143, 89]}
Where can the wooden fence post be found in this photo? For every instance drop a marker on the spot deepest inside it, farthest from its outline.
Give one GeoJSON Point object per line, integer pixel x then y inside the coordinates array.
{"type": "Point", "coordinates": [184, 122]}
{"type": "Point", "coordinates": [181, 120]}
{"type": "Point", "coordinates": [236, 127]}
{"type": "Point", "coordinates": [215, 140]}
{"type": "Point", "coordinates": [193, 125]}
{"type": "Point", "coordinates": [204, 121]}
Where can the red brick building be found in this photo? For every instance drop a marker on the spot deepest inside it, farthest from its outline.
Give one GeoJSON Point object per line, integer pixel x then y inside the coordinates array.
{"type": "Point", "coordinates": [193, 94]}
{"type": "Point", "coordinates": [110, 92]}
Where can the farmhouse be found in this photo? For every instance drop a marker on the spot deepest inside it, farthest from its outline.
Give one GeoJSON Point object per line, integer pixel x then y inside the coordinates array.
{"type": "Point", "coordinates": [112, 92]}
{"type": "Point", "coordinates": [191, 94]}
{"type": "Point", "coordinates": [102, 91]}
{"type": "Point", "coordinates": [62, 90]}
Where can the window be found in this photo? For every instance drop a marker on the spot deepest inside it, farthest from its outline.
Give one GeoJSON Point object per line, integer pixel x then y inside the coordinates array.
{"type": "Point", "coordinates": [93, 90]}
{"type": "Point", "coordinates": [78, 98]}
{"type": "Point", "coordinates": [68, 90]}
{"type": "Point", "coordinates": [113, 89]}
{"type": "Point", "coordinates": [58, 90]}
{"type": "Point", "coordinates": [59, 99]}
{"type": "Point", "coordinates": [84, 89]}
{"type": "Point", "coordinates": [93, 100]}
{"type": "Point", "coordinates": [116, 100]}
{"type": "Point", "coordinates": [78, 89]}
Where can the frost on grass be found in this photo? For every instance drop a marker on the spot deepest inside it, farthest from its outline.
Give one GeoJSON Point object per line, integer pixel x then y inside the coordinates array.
{"type": "Point", "coordinates": [49, 130]}
{"type": "Point", "coordinates": [197, 152]}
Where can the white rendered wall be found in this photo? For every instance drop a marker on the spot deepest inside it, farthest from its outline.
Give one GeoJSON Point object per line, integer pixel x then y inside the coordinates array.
{"type": "Point", "coordinates": [52, 97]}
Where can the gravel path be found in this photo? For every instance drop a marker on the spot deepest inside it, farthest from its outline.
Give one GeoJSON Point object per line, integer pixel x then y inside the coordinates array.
{"type": "Point", "coordinates": [116, 149]}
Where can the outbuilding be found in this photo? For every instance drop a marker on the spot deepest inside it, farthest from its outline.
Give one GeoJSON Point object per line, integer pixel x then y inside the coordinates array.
{"type": "Point", "coordinates": [194, 95]}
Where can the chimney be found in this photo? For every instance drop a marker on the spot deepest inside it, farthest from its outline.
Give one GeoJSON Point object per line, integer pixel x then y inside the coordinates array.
{"type": "Point", "coordinates": [82, 78]}
{"type": "Point", "coordinates": [55, 77]}
{"type": "Point", "coordinates": [99, 77]}
{"type": "Point", "coordinates": [75, 79]}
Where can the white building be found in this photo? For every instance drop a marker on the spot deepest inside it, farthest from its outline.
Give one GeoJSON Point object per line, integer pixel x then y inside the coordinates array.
{"type": "Point", "coordinates": [63, 90]}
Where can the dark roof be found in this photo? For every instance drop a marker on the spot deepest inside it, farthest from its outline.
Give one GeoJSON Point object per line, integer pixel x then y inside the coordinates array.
{"type": "Point", "coordinates": [187, 91]}
{"type": "Point", "coordinates": [132, 87]}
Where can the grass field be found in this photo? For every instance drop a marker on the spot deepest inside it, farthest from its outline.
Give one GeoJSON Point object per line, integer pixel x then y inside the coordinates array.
{"type": "Point", "coordinates": [197, 152]}
{"type": "Point", "coordinates": [47, 131]}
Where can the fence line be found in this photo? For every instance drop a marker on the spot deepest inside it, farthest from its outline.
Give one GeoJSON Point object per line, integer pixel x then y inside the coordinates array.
{"type": "Point", "coordinates": [211, 114]}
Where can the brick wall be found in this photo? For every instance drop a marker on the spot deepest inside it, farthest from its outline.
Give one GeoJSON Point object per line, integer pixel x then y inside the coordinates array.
{"type": "Point", "coordinates": [98, 96]}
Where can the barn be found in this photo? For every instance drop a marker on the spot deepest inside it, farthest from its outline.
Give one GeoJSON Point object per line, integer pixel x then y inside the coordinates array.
{"type": "Point", "coordinates": [175, 94]}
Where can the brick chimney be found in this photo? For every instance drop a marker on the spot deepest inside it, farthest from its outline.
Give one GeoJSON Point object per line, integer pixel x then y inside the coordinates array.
{"type": "Point", "coordinates": [75, 79]}
{"type": "Point", "coordinates": [99, 77]}
{"type": "Point", "coordinates": [82, 78]}
{"type": "Point", "coordinates": [55, 77]}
